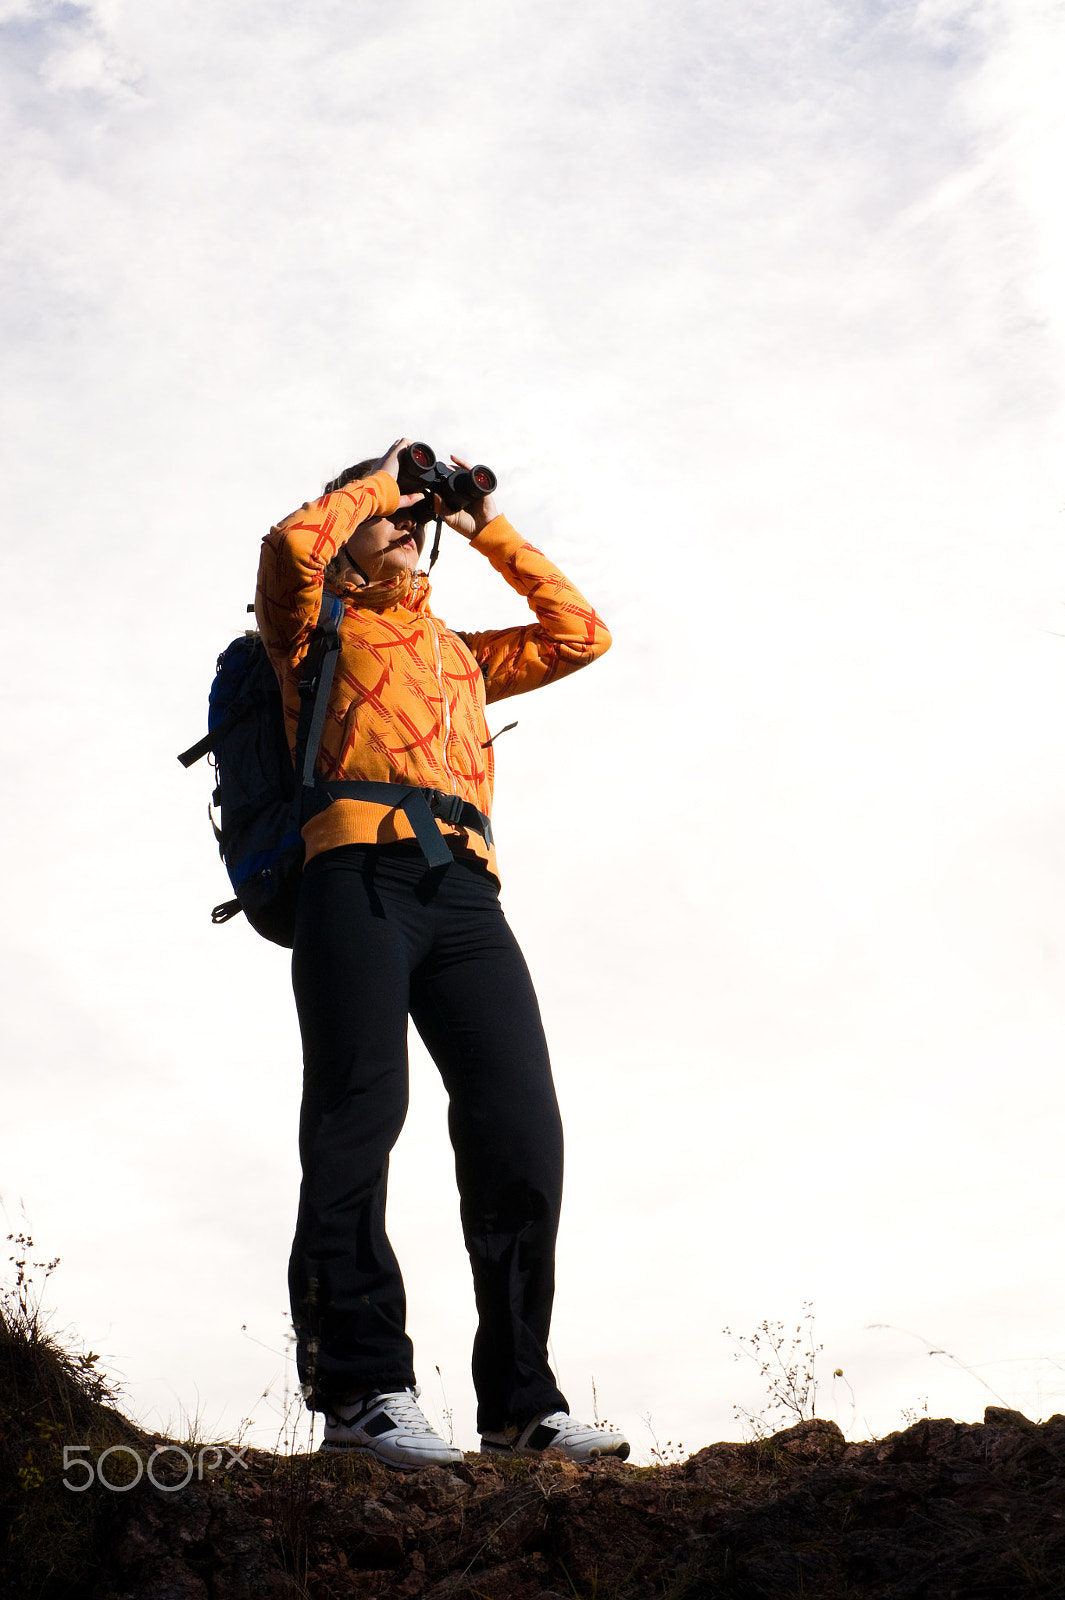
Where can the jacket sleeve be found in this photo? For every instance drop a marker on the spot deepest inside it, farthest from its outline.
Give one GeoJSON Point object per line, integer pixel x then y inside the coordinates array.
{"type": "Point", "coordinates": [566, 635]}
{"type": "Point", "coordinates": [294, 556]}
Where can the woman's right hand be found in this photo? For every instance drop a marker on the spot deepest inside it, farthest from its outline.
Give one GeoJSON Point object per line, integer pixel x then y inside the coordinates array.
{"type": "Point", "coordinates": [389, 463]}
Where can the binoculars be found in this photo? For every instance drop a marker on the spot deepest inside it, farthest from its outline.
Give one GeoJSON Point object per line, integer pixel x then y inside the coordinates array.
{"type": "Point", "coordinates": [458, 487]}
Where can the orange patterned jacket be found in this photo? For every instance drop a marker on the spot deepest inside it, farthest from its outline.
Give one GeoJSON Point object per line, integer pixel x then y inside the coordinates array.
{"type": "Point", "coordinates": [407, 703]}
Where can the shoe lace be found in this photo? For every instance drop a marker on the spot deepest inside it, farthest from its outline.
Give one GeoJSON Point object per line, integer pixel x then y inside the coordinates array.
{"type": "Point", "coordinates": [567, 1425]}
{"type": "Point", "coordinates": [402, 1406]}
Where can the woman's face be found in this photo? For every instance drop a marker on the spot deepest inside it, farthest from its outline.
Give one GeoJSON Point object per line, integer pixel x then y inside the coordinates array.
{"type": "Point", "coordinates": [384, 547]}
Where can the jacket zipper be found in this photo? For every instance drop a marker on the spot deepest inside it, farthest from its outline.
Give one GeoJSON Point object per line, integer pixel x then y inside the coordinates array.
{"type": "Point", "coordinates": [439, 662]}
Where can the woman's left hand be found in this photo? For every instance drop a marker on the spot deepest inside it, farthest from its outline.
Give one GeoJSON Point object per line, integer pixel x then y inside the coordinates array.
{"type": "Point", "coordinates": [469, 523]}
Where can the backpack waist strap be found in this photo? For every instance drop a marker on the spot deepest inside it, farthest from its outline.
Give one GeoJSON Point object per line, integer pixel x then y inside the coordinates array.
{"type": "Point", "coordinates": [421, 807]}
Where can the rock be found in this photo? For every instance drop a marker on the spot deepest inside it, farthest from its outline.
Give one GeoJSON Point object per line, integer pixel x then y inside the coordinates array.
{"type": "Point", "coordinates": [1001, 1417]}
{"type": "Point", "coordinates": [915, 1444]}
{"type": "Point", "coordinates": [373, 1535]}
{"type": "Point", "coordinates": [166, 1545]}
{"type": "Point", "coordinates": [810, 1440]}
{"type": "Point", "coordinates": [437, 1488]}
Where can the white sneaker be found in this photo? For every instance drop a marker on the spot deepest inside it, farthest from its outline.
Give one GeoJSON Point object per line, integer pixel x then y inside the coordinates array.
{"type": "Point", "coordinates": [390, 1427]}
{"type": "Point", "coordinates": [557, 1431]}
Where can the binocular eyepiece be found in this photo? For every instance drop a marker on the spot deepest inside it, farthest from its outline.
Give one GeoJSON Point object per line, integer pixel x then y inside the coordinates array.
{"type": "Point", "coordinates": [458, 487]}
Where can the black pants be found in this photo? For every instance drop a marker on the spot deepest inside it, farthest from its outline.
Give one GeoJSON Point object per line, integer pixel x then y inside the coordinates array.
{"type": "Point", "coordinates": [375, 940]}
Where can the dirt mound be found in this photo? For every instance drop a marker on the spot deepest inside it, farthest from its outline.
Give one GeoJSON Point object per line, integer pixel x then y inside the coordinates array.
{"type": "Point", "coordinates": [93, 1508]}
{"type": "Point", "coordinates": [941, 1510]}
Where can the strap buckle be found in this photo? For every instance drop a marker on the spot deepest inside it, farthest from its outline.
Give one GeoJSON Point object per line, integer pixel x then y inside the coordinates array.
{"type": "Point", "coordinates": [460, 813]}
{"type": "Point", "coordinates": [448, 807]}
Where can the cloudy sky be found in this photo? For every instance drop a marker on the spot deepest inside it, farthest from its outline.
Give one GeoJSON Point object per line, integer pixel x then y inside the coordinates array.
{"type": "Point", "coordinates": [757, 311]}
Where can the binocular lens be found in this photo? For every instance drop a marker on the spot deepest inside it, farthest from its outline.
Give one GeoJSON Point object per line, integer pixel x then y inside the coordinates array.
{"type": "Point", "coordinates": [459, 488]}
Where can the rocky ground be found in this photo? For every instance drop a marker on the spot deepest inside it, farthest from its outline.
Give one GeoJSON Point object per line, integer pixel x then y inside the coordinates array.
{"type": "Point", "coordinates": [942, 1511]}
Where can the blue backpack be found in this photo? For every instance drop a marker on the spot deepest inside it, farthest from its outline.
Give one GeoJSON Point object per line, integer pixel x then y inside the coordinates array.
{"type": "Point", "coordinates": [261, 804]}
{"type": "Point", "coordinates": [264, 797]}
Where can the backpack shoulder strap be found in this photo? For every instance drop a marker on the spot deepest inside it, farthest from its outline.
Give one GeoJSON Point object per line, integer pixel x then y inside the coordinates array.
{"type": "Point", "coordinates": [315, 685]}
{"type": "Point", "coordinates": [316, 682]}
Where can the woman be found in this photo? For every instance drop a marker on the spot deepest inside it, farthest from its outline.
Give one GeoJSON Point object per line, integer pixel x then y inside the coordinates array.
{"type": "Point", "coordinates": [381, 934]}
